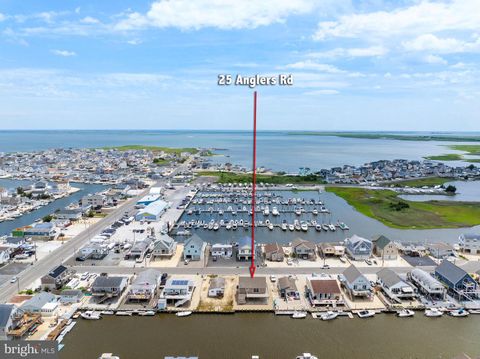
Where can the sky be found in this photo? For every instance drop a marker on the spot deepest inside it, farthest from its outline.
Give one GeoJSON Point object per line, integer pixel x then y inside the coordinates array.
{"type": "Point", "coordinates": [389, 65]}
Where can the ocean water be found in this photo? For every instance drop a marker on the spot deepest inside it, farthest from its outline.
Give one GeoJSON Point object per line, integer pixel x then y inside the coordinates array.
{"type": "Point", "coordinates": [276, 150]}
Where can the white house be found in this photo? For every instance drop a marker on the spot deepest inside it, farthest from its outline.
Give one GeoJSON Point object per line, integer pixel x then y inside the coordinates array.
{"type": "Point", "coordinates": [394, 286]}
{"type": "Point", "coordinates": [222, 250]}
{"type": "Point", "coordinates": [469, 243]}
{"type": "Point", "coordinates": [217, 287]}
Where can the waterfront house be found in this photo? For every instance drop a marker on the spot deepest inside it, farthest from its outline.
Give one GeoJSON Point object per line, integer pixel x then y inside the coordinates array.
{"type": "Point", "coordinates": [274, 252]}
{"type": "Point", "coordinates": [140, 248]}
{"type": "Point", "coordinates": [44, 230]}
{"type": "Point", "coordinates": [427, 284]}
{"type": "Point", "coordinates": [164, 247]}
{"type": "Point", "coordinates": [194, 248]}
{"type": "Point", "coordinates": [355, 283]}
{"type": "Point", "coordinates": [323, 291]}
{"type": "Point", "coordinates": [106, 287]}
{"type": "Point", "coordinates": [469, 243]}
{"type": "Point", "coordinates": [252, 290]}
{"type": "Point", "coordinates": [458, 282]}
{"type": "Point", "coordinates": [145, 285]}
{"type": "Point", "coordinates": [331, 250]}
{"type": "Point", "coordinates": [69, 296]}
{"type": "Point", "coordinates": [441, 250]}
{"type": "Point", "coordinates": [304, 249]}
{"type": "Point", "coordinates": [152, 212]}
{"type": "Point", "coordinates": [56, 278]}
{"type": "Point", "coordinates": [221, 250]}
{"type": "Point", "coordinates": [96, 200]}
{"type": "Point", "coordinates": [10, 319]}
{"type": "Point", "coordinates": [393, 286]}
{"type": "Point", "coordinates": [37, 302]}
{"type": "Point", "coordinates": [385, 248]}
{"type": "Point", "coordinates": [358, 248]}
{"type": "Point", "coordinates": [216, 288]}
{"type": "Point", "coordinates": [5, 254]}
{"type": "Point", "coordinates": [71, 214]}
{"type": "Point", "coordinates": [287, 288]}
{"type": "Point", "coordinates": [178, 291]}
{"type": "Point", "coordinates": [244, 249]}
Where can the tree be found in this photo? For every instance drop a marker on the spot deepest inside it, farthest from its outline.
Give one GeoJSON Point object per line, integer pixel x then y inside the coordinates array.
{"type": "Point", "coordinates": [451, 189]}
{"type": "Point", "coordinates": [47, 218]}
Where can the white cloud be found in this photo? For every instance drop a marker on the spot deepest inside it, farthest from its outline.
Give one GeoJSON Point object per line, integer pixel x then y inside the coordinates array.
{"type": "Point", "coordinates": [323, 92]}
{"type": "Point", "coordinates": [434, 59]}
{"type": "Point", "coordinates": [371, 51]}
{"type": "Point", "coordinates": [2, 17]}
{"type": "Point", "coordinates": [226, 14]}
{"type": "Point", "coordinates": [430, 42]}
{"type": "Point", "coordinates": [89, 20]}
{"type": "Point", "coordinates": [64, 53]}
{"type": "Point", "coordinates": [134, 42]}
{"type": "Point", "coordinates": [311, 65]}
{"type": "Point", "coordinates": [423, 17]}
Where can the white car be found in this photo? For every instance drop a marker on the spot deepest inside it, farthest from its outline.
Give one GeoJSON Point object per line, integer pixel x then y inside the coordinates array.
{"type": "Point", "coordinates": [273, 278]}
{"type": "Point", "coordinates": [13, 280]}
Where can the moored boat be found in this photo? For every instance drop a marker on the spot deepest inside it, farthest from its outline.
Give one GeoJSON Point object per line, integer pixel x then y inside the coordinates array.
{"type": "Point", "coordinates": [459, 313]}
{"type": "Point", "coordinates": [433, 312]}
{"type": "Point", "coordinates": [405, 313]}
{"type": "Point", "coordinates": [183, 314]}
{"type": "Point", "coordinates": [299, 315]}
{"type": "Point", "coordinates": [91, 315]}
{"type": "Point", "coordinates": [366, 313]}
{"type": "Point", "coordinates": [328, 315]}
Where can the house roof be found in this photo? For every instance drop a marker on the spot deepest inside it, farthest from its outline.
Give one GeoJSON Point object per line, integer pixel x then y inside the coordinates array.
{"type": "Point", "coordinates": [147, 277]}
{"type": "Point", "coordinates": [250, 283]}
{"type": "Point", "coordinates": [39, 300]}
{"type": "Point", "coordinates": [194, 240]}
{"type": "Point", "coordinates": [217, 282]}
{"type": "Point", "coordinates": [389, 277]}
{"type": "Point", "coordinates": [103, 281]}
{"type": "Point", "coordinates": [382, 241]}
{"type": "Point", "coordinates": [57, 271]}
{"type": "Point", "coordinates": [450, 271]}
{"type": "Point", "coordinates": [273, 247]}
{"type": "Point", "coordinates": [355, 240]}
{"type": "Point", "coordinates": [351, 274]}
{"type": "Point", "coordinates": [287, 283]}
{"type": "Point", "coordinates": [71, 292]}
{"type": "Point", "coordinates": [299, 241]}
{"type": "Point", "coordinates": [324, 286]}
{"type": "Point", "coordinates": [5, 313]}
{"type": "Point", "coordinates": [164, 241]}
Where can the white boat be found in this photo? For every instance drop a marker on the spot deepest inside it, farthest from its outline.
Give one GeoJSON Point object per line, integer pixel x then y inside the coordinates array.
{"type": "Point", "coordinates": [474, 311]}
{"type": "Point", "coordinates": [123, 313]}
{"type": "Point", "coordinates": [331, 227]}
{"type": "Point", "coordinates": [107, 312]}
{"type": "Point", "coordinates": [306, 356]}
{"type": "Point", "coordinates": [91, 315]}
{"type": "Point", "coordinates": [291, 227]}
{"type": "Point", "coordinates": [405, 313]}
{"type": "Point", "coordinates": [284, 226]}
{"type": "Point", "coordinates": [324, 227]}
{"type": "Point", "coordinates": [298, 211]}
{"type": "Point", "coordinates": [234, 226]}
{"type": "Point", "coordinates": [275, 211]}
{"type": "Point", "coordinates": [270, 226]}
{"type": "Point", "coordinates": [183, 314]}
{"type": "Point", "coordinates": [304, 226]}
{"type": "Point", "coordinates": [315, 211]}
{"type": "Point", "coordinates": [366, 313]}
{"type": "Point", "coordinates": [459, 313]}
{"type": "Point", "coordinates": [266, 211]}
{"type": "Point", "coordinates": [216, 227]}
{"type": "Point", "coordinates": [433, 312]}
{"type": "Point", "coordinates": [328, 315]}
{"type": "Point", "coordinates": [228, 226]}
{"type": "Point", "coordinates": [299, 315]}
{"type": "Point", "coordinates": [108, 356]}
{"type": "Point", "coordinates": [148, 313]}
{"type": "Point", "coordinates": [318, 228]}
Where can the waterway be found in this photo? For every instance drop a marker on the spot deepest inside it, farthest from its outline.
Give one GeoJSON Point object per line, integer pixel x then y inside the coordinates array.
{"type": "Point", "coordinates": [238, 336]}
{"type": "Point", "coordinates": [28, 218]}
{"type": "Point", "coordinates": [467, 191]}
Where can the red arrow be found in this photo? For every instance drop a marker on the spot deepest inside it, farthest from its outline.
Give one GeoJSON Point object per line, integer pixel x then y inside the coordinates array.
{"type": "Point", "coordinates": [254, 179]}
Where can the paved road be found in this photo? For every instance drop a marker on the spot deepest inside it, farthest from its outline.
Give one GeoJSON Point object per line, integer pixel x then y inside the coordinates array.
{"type": "Point", "coordinates": [262, 271]}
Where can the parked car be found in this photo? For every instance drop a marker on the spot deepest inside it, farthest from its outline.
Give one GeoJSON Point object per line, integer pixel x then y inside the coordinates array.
{"type": "Point", "coordinates": [13, 280]}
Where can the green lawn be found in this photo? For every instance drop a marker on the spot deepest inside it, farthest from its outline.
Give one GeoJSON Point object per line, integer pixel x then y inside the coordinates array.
{"type": "Point", "coordinates": [420, 182]}
{"type": "Point", "coordinates": [230, 177]}
{"type": "Point", "coordinates": [446, 157]}
{"type": "Point", "coordinates": [470, 149]}
{"type": "Point", "coordinates": [154, 148]}
{"type": "Point", "coordinates": [389, 136]}
{"type": "Point", "coordinates": [420, 215]}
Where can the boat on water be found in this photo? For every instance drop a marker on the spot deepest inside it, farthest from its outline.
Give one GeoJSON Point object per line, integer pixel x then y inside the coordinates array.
{"type": "Point", "coordinates": [148, 313]}
{"type": "Point", "coordinates": [299, 315]}
{"type": "Point", "coordinates": [216, 227]}
{"type": "Point", "coordinates": [325, 227]}
{"type": "Point", "coordinates": [459, 313]}
{"type": "Point", "coordinates": [405, 313]}
{"type": "Point", "coordinates": [474, 311]}
{"type": "Point", "coordinates": [123, 313]}
{"type": "Point", "coordinates": [108, 356]}
{"type": "Point", "coordinates": [284, 226]}
{"type": "Point", "coordinates": [183, 314]}
{"type": "Point", "coordinates": [270, 226]}
{"type": "Point", "coordinates": [366, 313]}
{"type": "Point", "coordinates": [328, 315]}
{"type": "Point", "coordinates": [298, 211]}
{"type": "Point", "coordinates": [90, 315]}
{"type": "Point", "coordinates": [107, 312]}
{"type": "Point", "coordinates": [315, 211]}
{"type": "Point", "coordinates": [304, 226]}
{"type": "Point", "coordinates": [266, 211]}
{"type": "Point", "coordinates": [343, 226]}
{"type": "Point", "coordinates": [291, 227]}
{"type": "Point", "coordinates": [275, 211]}
{"type": "Point", "coordinates": [306, 356]}
{"type": "Point", "coordinates": [433, 312]}
{"type": "Point", "coordinates": [318, 228]}
{"type": "Point", "coordinates": [331, 227]}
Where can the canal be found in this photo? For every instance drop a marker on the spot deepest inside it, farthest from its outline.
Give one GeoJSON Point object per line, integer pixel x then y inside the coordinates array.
{"type": "Point", "coordinates": [274, 337]}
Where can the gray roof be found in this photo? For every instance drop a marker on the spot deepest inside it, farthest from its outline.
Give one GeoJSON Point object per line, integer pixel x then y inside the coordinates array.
{"type": "Point", "coordinates": [71, 292]}
{"type": "Point", "coordinates": [450, 271]}
{"type": "Point", "coordinates": [5, 313]}
{"type": "Point", "coordinates": [351, 274]}
{"type": "Point", "coordinates": [287, 283]}
{"type": "Point", "coordinates": [111, 282]}
{"type": "Point", "coordinates": [300, 241]}
{"type": "Point", "coordinates": [194, 240]}
{"type": "Point", "coordinates": [149, 276]}
{"type": "Point", "coordinates": [248, 282]}
{"type": "Point", "coordinates": [389, 277]}
{"type": "Point", "coordinates": [381, 241]}
{"type": "Point", "coordinates": [38, 301]}
{"type": "Point", "coordinates": [217, 282]}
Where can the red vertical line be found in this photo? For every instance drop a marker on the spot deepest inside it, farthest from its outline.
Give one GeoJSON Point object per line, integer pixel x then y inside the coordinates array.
{"type": "Point", "coordinates": [254, 179]}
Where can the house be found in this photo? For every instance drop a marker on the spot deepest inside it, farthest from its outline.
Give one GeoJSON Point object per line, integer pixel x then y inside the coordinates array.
{"type": "Point", "coordinates": [164, 246]}
{"type": "Point", "coordinates": [221, 250]}
{"type": "Point", "coordinates": [49, 309]}
{"type": "Point", "coordinates": [252, 290]}
{"type": "Point", "coordinates": [5, 254]}
{"type": "Point", "coordinates": [93, 251]}
{"type": "Point", "coordinates": [10, 318]}
{"type": "Point", "coordinates": [140, 248]}
{"type": "Point", "coordinates": [244, 250]}
{"type": "Point", "coordinates": [469, 243]}
{"type": "Point", "coordinates": [323, 291]}
{"type": "Point", "coordinates": [71, 214]}
{"type": "Point", "coordinates": [287, 288]}
{"type": "Point", "coordinates": [194, 248]}
{"type": "Point", "coordinates": [274, 252]}
{"type": "Point", "coordinates": [458, 282]}
{"type": "Point", "coordinates": [394, 286]}
{"type": "Point", "coordinates": [69, 296]}
{"type": "Point", "coordinates": [178, 291]}
{"type": "Point", "coordinates": [358, 248]}
{"type": "Point", "coordinates": [108, 287]}
{"type": "Point", "coordinates": [44, 230]}
{"type": "Point", "coordinates": [94, 200]}
{"type": "Point", "coordinates": [147, 200]}
{"type": "Point", "coordinates": [385, 248]}
{"type": "Point", "coordinates": [37, 302]}
{"type": "Point", "coordinates": [427, 284]}
{"type": "Point", "coordinates": [331, 250]}
{"type": "Point", "coordinates": [56, 278]}
{"type": "Point", "coordinates": [441, 250]}
{"type": "Point", "coordinates": [216, 288]}
{"type": "Point", "coordinates": [304, 249]}
{"type": "Point", "coordinates": [355, 283]}
{"type": "Point", "coordinates": [152, 212]}
{"type": "Point", "coordinates": [145, 285]}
